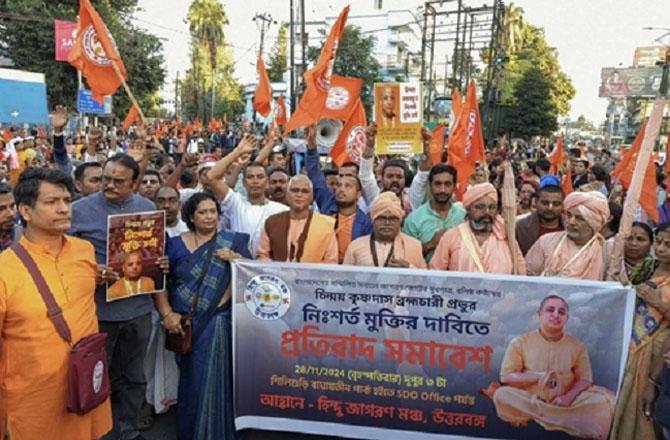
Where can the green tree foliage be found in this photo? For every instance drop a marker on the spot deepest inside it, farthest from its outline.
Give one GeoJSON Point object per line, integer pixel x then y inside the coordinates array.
{"type": "Point", "coordinates": [533, 112]}
{"type": "Point", "coordinates": [207, 20]}
{"type": "Point", "coordinates": [29, 43]}
{"type": "Point", "coordinates": [279, 57]}
{"type": "Point", "coordinates": [355, 58]}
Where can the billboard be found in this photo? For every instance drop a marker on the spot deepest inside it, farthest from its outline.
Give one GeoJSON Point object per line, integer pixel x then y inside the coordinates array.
{"type": "Point", "coordinates": [630, 82]}
{"type": "Point", "coordinates": [24, 97]}
{"type": "Point", "coordinates": [86, 103]}
{"type": "Point", "coordinates": [65, 33]}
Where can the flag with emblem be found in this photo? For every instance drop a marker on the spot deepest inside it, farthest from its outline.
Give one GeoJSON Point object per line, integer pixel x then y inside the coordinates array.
{"type": "Point", "coordinates": [94, 54]}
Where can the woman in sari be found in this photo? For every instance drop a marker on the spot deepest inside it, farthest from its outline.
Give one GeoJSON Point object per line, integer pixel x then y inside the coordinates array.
{"type": "Point", "coordinates": [650, 329]}
{"type": "Point", "coordinates": [205, 396]}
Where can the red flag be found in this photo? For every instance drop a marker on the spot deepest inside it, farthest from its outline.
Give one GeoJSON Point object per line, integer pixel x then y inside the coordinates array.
{"type": "Point", "coordinates": [557, 157]}
{"type": "Point", "coordinates": [263, 94]}
{"type": "Point", "coordinates": [42, 133]}
{"type": "Point", "coordinates": [7, 135]}
{"type": "Point", "coordinates": [626, 168]}
{"type": "Point", "coordinates": [132, 117]}
{"type": "Point", "coordinates": [280, 111]}
{"type": "Point", "coordinates": [318, 80]}
{"type": "Point", "coordinates": [352, 139]}
{"type": "Point", "coordinates": [437, 144]}
{"type": "Point", "coordinates": [466, 142]}
{"type": "Point", "coordinates": [94, 52]}
{"type": "Point", "coordinates": [343, 97]}
{"type": "Point", "coordinates": [566, 183]}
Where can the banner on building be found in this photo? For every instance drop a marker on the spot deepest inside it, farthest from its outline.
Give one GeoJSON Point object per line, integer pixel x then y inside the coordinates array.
{"type": "Point", "coordinates": [399, 118]}
{"type": "Point", "coordinates": [631, 82]}
{"type": "Point", "coordinates": [392, 353]}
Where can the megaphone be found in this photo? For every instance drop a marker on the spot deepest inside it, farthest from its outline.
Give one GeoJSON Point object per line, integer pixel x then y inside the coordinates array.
{"type": "Point", "coordinates": [327, 131]}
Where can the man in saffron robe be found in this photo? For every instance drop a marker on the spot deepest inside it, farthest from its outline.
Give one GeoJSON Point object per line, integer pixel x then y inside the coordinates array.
{"type": "Point", "coordinates": [480, 244]}
{"type": "Point", "coordinates": [386, 246]}
{"type": "Point", "coordinates": [577, 252]}
{"type": "Point", "coordinates": [546, 376]}
{"type": "Point", "coordinates": [299, 235]}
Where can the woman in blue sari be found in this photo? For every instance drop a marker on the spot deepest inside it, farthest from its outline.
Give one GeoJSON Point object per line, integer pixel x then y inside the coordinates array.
{"type": "Point", "coordinates": [205, 409]}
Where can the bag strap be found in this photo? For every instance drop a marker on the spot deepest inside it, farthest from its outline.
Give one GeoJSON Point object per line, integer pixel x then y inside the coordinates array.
{"type": "Point", "coordinates": [208, 259]}
{"type": "Point", "coordinates": [54, 312]}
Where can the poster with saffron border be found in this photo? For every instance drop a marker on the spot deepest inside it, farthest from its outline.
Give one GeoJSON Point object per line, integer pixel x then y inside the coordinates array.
{"type": "Point", "coordinates": [399, 118]}
{"type": "Point", "coordinates": [134, 244]}
{"type": "Point", "coordinates": [381, 353]}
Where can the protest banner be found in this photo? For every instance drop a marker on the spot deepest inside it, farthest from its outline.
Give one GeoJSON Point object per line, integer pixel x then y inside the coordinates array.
{"type": "Point", "coordinates": [375, 353]}
{"type": "Point", "coordinates": [134, 244]}
{"type": "Point", "coordinates": [399, 118]}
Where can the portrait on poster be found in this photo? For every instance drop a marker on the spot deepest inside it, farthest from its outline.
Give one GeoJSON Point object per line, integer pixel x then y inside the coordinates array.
{"type": "Point", "coordinates": [135, 242]}
{"type": "Point", "coordinates": [399, 118]}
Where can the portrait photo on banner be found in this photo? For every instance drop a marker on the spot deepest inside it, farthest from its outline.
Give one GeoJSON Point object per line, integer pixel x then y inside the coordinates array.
{"type": "Point", "coordinates": [134, 244]}
{"type": "Point", "coordinates": [399, 118]}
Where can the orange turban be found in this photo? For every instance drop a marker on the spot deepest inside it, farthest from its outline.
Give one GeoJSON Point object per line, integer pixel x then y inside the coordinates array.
{"type": "Point", "coordinates": [592, 205]}
{"type": "Point", "coordinates": [386, 202]}
{"type": "Point", "coordinates": [478, 191]}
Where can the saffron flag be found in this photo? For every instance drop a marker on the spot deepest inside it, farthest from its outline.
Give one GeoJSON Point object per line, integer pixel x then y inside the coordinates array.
{"type": "Point", "coordinates": [93, 53]}
{"type": "Point", "coordinates": [352, 139]}
{"type": "Point", "coordinates": [557, 157]}
{"type": "Point", "coordinates": [625, 170]}
{"type": "Point", "coordinates": [132, 117]}
{"type": "Point", "coordinates": [280, 111]}
{"type": "Point", "coordinates": [566, 183]}
{"type": "Point", "coordinates": [343, 97]}
{"type": "Point", "coordinates": [466, 142]}
{"type": "Point", "coordinates": [437, 144]}
{"type": "Point", "coordinates": [317, 80]}
{"type": "Point", "coordinates": [263, 93]}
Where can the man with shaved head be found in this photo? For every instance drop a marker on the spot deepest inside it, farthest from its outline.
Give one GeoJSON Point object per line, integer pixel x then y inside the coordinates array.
{"type": "Point", "coordinates": [299, 235]}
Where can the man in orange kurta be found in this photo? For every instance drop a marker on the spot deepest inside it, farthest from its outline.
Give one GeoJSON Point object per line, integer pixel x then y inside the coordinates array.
{"type": "Point", "coordinates": [577, 252]}
{"type": "Point", "coordinates": [480, 244]}
{"type": "Point", "coordinates": [299, 235]}
{"type": "Point", "coordinates": [34, 357]}
{"type": "Point", "coordinates": [391, 247]}
{"type": "Point", "coordinates": [547, 378]}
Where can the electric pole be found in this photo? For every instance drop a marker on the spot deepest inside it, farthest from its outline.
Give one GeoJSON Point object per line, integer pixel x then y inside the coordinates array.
{"type": "Point", "coordinates": [263, 22]}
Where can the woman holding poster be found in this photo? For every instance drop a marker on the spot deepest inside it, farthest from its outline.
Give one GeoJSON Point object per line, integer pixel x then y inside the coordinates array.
{"type": "Point", "coordinates": [199, 263]}
{"type": "Point", "coordinates": [650, 329]}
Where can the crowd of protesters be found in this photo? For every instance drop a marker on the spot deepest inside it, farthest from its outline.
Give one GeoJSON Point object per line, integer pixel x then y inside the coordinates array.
{"type": "Point", "coordinates": [231, 194]}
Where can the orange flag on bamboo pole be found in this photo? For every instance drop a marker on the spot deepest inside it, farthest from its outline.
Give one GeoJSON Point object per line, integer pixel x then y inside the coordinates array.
{"type": "Point", "coordinates": [280, 111]}
{"type": "Point", "coordinates": [263, 93]}
{"type": "Point", "coordinates": [557, 157]}
{"type": "Point", "coordinates": [94, 54]}
{"type": "Point", "coordinates": [132, 117]}
{"type": "Point", "coordinates": [317, 80]}
{"type": "Point", "coordinates": [352, 139]}
{"type": "Point", "coordinates": [625, 170]}
{"type": "Point", "coordinates": [437, 144]}
{"type": "Point", "coordinates": [466, 141]}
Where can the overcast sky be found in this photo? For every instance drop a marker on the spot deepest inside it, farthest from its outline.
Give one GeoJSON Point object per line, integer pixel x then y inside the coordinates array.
{"type": "Point", "coordinates": [588, 34]}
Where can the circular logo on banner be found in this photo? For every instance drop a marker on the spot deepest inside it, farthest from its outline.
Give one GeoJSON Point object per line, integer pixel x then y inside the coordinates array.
{"type": "Point", "coordinates": [93, 49]}
{"type": "Point", "coordinates": [267, 297]}
{"type": "Point", "coordinates": [356, 142]}
{"type": "Point", "coordinates": [98, 371]}
{"type": "Point", "coordinates": [338, 98]}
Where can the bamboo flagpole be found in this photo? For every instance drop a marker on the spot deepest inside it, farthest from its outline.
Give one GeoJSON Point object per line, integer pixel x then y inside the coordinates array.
{"type": "Point", "coordinates": [128, 91]}
{"type": "Point", "coordinates": [635, 189]}
{"type": "Point", "coordinates": [509, 213]}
